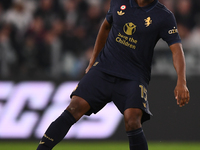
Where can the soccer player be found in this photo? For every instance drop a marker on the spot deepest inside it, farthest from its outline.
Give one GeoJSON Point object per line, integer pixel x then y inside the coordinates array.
{"type": "Point", "coordinates": [120, 67]}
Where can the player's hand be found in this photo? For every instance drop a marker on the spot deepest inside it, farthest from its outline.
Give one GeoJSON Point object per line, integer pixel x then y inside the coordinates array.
{"type": "Point", "coordinates": [92, 60]}
{"type": "Point", "coordinates": [182, 95]}
{"type": "Point", "coordinates": [88, 68]}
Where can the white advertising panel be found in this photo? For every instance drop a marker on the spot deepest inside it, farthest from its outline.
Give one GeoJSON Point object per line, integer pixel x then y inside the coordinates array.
{"type": "Point", "coordinates": [27, 109]}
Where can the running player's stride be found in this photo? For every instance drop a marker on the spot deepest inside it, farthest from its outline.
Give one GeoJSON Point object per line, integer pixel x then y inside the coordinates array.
{"type": "Point", "coordinates": [120, 68]}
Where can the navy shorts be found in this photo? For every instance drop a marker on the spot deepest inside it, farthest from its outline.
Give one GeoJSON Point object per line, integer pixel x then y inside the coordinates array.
{"type": "Point", "coordinates": [99, 88]}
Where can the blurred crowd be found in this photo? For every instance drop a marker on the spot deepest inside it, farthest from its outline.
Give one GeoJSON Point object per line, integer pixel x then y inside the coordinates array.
{"type": "Point", "coordinates": [187, 13]}
{"type": "Point", "coordinates": [55, 38]}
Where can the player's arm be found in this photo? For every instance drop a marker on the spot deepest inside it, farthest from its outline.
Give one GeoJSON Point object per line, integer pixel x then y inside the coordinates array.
{"type": "Point", "coordinates": [181, 91]}
{"type": "Point", "coordinates": [100, 42]}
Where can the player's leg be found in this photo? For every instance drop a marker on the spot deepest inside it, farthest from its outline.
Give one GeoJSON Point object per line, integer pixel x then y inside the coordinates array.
{"type": "Point", "coordinates": [131, 99]}
{"type": "Point", "coordinates": [94, 90]}
{"type": "Point", "coordinates": [132, 118]}
{"type": "Point", "coordinates": [59, 128]}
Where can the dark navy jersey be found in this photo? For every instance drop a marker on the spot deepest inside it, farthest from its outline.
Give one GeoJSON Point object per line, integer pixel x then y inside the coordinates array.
{"type": "Point", "coordinates": [135, 31]}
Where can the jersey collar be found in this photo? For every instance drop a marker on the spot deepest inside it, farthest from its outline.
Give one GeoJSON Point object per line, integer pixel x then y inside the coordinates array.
{"type": "Point", "coordinates": [146, 8]}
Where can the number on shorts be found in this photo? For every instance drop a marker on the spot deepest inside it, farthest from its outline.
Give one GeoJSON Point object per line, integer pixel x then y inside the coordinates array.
{"type": "Point", "coordinates": [143, 92]}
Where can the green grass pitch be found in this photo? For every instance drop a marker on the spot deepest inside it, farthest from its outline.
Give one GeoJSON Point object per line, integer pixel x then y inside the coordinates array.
{"type": "Point", "coordinates": [94, 145]}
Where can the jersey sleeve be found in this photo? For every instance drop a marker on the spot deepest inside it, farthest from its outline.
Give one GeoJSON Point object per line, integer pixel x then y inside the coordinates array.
{"type": "Point", "coordinates": [109, 16]}
{"type": "Point", "coordinates": [169, 31]}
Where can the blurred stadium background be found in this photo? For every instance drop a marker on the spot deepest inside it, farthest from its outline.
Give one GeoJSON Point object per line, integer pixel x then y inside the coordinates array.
{"type": "Point", "coordinates": [45, 46]}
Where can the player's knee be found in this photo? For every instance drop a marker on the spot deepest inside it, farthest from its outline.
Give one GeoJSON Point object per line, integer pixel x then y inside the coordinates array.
{"type": "Point", "coordinates": [132, 124]}
{"type": "Point", "coordinates": [132, 119]}
{"type": "Point", "coordinates": [71, 109]}
{"type": "Point", "coordinates": [78, 107]}
{"type": "Point", "coordinates": [75, 111]}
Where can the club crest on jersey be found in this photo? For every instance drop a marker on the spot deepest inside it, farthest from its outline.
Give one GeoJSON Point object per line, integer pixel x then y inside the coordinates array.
{"type": "Point", "coordinates": [148, 21]}
{"type": "Point", "coordinates": [120, 13]}
{"type": "Point", "coordinates": [129, 28]}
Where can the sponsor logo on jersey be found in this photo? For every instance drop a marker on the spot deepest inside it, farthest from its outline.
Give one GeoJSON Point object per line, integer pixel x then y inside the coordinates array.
{"type": "Point", "coordinates": [148, 21]}
{"type": "Point", "coordinates": [121, 13]}
{"type": "Point", "coordinates": [129, 28]}
{"type": "Point", "coordinates": [172, 31]}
